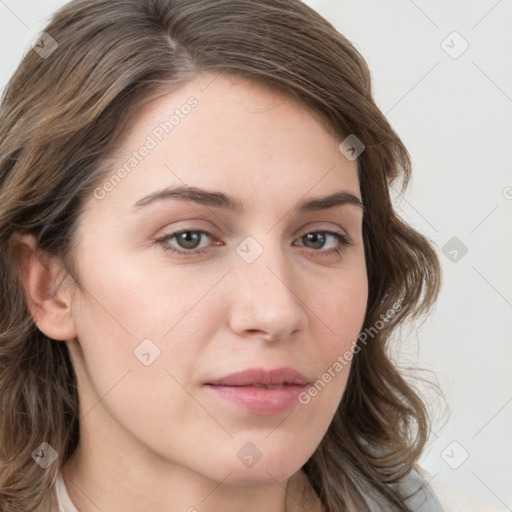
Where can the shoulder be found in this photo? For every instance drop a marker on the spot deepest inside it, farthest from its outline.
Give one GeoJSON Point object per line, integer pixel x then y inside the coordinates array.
{"type": "Point", "coordinates": [454, 498]}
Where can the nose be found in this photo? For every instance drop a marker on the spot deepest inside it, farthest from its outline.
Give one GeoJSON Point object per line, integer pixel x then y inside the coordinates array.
{"type": "Point", "coordinates": [266, 300]}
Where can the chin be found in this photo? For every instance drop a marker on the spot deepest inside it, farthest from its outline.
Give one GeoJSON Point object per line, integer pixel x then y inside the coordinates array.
{"type": "Point", "coordinates": [253, 477]}
{"type": "Point", "coordinates": [252, 467]}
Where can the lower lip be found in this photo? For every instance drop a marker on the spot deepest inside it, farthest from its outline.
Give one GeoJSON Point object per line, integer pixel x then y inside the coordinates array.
{"type": "Point", "coordinates": [265, 401]}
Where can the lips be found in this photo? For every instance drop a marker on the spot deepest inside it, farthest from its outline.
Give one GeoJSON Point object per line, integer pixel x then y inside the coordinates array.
{"type": "Point", "coordinates": [262, 378]}
{"type": "Point", "coordinates": [260, 391]}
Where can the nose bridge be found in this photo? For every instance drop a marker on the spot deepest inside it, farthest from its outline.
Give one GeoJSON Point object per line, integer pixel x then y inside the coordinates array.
{"type": "Point", "coordinates": [264, 264]}
{"type": "Point", "coordinates": [266, 300]}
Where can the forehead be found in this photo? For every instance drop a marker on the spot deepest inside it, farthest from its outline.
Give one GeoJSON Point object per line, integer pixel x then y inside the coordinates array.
{"type": "Point", "coordinates": [230, 134]}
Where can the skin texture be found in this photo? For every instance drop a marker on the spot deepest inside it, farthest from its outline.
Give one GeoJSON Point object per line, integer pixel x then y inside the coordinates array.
{"type": "Point", "coordinates": [152, 437]}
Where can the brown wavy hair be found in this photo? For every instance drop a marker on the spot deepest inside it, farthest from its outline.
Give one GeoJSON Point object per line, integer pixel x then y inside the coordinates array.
{"type": "Point", "coordinates": [61, 114]}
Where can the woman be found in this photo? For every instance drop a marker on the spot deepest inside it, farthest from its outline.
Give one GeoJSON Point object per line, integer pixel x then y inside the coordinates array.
{"type": "Point", "coordinates": [202, 268]}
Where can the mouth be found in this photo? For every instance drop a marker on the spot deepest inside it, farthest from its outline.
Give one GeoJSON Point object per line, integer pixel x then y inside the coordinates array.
{"type": "Point", "coordinates": [260, 391]}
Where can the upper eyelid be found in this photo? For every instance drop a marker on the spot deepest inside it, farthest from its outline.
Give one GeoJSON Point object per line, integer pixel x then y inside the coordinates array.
{"type": "Point", "coordinates": [332, 232]}
{"type": "Point", "coordinates": [211, 232]}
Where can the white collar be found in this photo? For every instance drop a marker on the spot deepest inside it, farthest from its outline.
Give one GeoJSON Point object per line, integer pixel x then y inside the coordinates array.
{"type": "Point", "coordinates": [64, 503]}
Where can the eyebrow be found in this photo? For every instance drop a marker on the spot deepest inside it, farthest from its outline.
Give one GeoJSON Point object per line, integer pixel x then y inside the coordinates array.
{"type": "Point", "coordinates": [216, 199]}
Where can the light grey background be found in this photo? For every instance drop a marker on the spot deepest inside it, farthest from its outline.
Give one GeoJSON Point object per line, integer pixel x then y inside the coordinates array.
{"type": "Point", "coordinates": [454, 113]}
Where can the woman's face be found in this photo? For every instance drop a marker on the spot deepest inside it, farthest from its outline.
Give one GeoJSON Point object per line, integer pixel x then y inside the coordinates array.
{"type": "Point", "coordinates": [248, 285]}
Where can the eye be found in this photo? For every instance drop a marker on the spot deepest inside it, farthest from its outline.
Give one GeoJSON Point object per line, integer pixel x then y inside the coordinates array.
{"type": "Point", "coordinates": [188, 241]}
{"type": "Point", "coordinates": [195, 241]}
{"type": "Point", "coordinates": [317, 240]}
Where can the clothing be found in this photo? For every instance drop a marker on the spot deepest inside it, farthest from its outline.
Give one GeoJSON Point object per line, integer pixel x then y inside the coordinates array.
{"type": "Point", "coordinates": [436, 496]}
{"type": "Point", "coordinates": [454, 498]}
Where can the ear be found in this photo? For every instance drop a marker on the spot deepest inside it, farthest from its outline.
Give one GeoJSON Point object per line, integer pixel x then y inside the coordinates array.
{"type": "Point", "coordinates": [50, 308]}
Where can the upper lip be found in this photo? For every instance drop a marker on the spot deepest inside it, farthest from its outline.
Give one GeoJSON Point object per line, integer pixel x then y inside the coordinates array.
{"type": "Point", "coordinates": [262, 377]}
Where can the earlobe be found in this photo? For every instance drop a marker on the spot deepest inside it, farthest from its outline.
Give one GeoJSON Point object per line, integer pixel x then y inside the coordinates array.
{"type": "Point", "coordinates": [50, 305]}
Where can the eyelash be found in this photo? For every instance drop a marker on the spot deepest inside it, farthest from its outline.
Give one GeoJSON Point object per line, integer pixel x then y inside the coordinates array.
{"type": "Point", "coordinates": [343, 239]}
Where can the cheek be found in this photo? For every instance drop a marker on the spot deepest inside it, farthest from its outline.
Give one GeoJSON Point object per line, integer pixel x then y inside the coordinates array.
{"type": "Point", "coordinates": [339, 315]}
{"type": "Point", "coordinates": [137, 370]}
{"type": "Point", "coordinates": [340, 306]}
{"type": "Point", "coordinates": [140, 328]}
